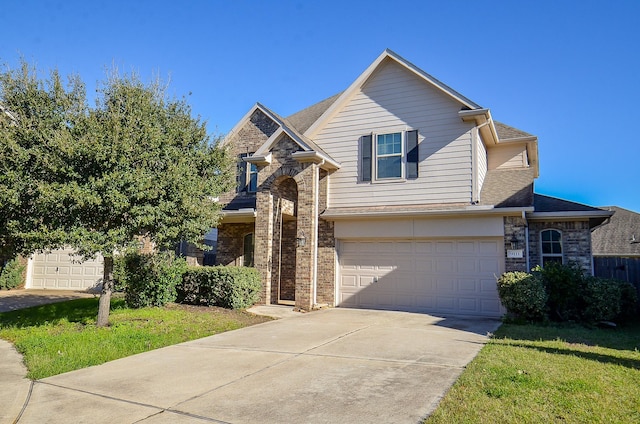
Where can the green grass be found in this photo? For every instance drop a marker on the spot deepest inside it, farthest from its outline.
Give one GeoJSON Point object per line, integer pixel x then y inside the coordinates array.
{"type": "Point", "coordinates": [62, 337]}
{"type": "Point", "coordinates": [542, 374]}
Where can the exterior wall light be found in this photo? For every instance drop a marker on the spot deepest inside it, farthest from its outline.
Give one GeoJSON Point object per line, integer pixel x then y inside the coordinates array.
{"type": "Point", "coordinates": [301, 241]}
{"type": "Point", "coordinates": [515, 243]}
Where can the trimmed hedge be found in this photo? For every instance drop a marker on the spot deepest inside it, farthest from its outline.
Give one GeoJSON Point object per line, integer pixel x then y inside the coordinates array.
{"type": "Point", "coordinates": [566, 294]}
{"type": "Point", "coordinates": [225, 286]}
{"type": "Point", "coordinates": [11, 274]}
{"type": "Point", "coordinates": [148, 279]}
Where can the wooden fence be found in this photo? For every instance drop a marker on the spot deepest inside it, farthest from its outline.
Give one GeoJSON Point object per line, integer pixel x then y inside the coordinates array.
{"type": "Point", "coordinates": [625, 269]}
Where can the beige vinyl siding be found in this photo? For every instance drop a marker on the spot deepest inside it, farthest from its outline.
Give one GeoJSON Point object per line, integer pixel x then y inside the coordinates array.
{"type": "Point", "coordinates": [509, 156]}
{"type": "Point", "coordinates": [393, 100]}
{"type": "Point", "coordinates": [481, 155]}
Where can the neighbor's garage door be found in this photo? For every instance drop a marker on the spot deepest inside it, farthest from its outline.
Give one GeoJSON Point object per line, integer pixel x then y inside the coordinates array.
{"type": "Point", "coordinates": [59, 269]}
{"type": "Point", "coordinates": [436, 276]}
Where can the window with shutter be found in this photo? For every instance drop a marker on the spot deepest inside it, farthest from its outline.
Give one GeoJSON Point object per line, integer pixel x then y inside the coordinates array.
{"type": "Point", "coordinates": [366, 155]}
{"type": "Point", "coordinates": [392, 156]}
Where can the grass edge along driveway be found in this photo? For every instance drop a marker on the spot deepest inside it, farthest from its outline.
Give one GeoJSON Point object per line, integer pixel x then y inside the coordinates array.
{"type": "Point", "coordinates": [62, 337]}
{"type": "Point", "coordinates": [543, 374]}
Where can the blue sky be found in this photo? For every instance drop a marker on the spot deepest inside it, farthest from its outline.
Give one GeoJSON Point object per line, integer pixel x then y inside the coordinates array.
{"type": "Point", "coordinates": [566, 71]}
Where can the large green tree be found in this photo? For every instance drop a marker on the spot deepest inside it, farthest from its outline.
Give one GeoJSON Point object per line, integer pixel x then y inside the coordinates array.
{"type": "Point", "coordinates": [98, 178]}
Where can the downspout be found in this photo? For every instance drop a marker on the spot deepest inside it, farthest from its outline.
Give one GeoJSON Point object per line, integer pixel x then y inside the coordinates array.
{"type": "Point", "coordinates": [474, 166]}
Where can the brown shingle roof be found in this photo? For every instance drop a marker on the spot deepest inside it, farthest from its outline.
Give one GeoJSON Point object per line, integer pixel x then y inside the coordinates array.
{"type": "Point", "coordinates": [505, 132]}
{"type": "Point", "coordinates": [617, 237]}
{"type": "Point", "coordinates": [505, 188]}
{"type": "Point", "coordinates": [303, 119]}
{"type": "Point", "coordinates": [544, 203]}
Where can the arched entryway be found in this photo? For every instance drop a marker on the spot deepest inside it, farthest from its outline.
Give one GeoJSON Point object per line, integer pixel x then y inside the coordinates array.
{"type": "Point", "coordinates": [285, 207]}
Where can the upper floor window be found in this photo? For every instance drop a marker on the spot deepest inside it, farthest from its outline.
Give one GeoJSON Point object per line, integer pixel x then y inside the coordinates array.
{"type": "Point", "coordinates": [247, 175]}
{"type": "Point", "coordinates": [551, 242]}
{"type": "Point", "coordinates": [390, 156]}
{"type": "Point", "coordinates": [253, 178]}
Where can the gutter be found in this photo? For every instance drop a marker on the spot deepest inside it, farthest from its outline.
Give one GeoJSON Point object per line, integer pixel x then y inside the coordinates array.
{"type": "Point", "coordinates": [570, 214]}
{"type": "Point", "coordinates": [312, 156]}
{"type": "Point", "coordinates": [469, 210]}
{"type": "Point", "coordinates": [237, 216]}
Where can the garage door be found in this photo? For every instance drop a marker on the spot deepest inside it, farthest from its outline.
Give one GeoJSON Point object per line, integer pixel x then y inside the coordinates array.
{"type": "Point", "coordinates": [60, 269]}
{"type": "Point", "coordinates": [435, 276]}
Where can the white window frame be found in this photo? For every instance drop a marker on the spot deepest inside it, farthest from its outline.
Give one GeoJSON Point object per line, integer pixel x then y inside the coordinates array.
{"type": "Point", "coordinates": [402, 154]}
{"type": "Point", "coordinates": [551, 255]}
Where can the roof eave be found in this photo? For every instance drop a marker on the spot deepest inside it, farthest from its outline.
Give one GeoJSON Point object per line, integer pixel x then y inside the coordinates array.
{"type": "Point", "coordinates": [330, 215]}
{"type": "Point", "coordinates": [238, 216]}
{"type": "Point", "coordinates": [483, 120]}
{"type": "Point", "coordinates": [325, 162]}
{"type": "Point", "coordinates": [568, 215]}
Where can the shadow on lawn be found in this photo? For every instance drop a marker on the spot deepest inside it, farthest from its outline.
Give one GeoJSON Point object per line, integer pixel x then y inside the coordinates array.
{"type": "Point", "coordinates": [79, 310]}
{"type": "Point", "coordinates": [625, 337]}
{"type": "Point", "coordinates": [592, 356]}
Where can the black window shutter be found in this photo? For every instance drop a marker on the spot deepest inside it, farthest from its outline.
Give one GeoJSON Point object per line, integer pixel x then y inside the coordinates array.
{"type": "Point", "coordinates": [242, 173]}
{"type": "Point", "coordinates": [412, 154]}
{"type": "Point", "coordinates": [366, 150]}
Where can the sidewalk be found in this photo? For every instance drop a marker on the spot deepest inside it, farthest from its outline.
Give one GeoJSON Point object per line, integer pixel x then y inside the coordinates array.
{"type": "Point", "coordinates": [15, 387]}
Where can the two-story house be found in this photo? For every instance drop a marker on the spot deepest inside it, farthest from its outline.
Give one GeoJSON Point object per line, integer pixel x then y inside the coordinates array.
{"type": "Point", "coordinates": [397, 193]}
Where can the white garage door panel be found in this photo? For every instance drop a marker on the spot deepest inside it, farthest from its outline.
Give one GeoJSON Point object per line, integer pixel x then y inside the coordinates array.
{"type": "Point", "coordinates": [440, 276]}
{"type": "Point", "coordinates": [60, 269]}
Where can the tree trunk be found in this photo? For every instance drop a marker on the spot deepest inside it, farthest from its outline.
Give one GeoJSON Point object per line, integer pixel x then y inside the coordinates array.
{"type": "Point", "coordinates": [105, 296]}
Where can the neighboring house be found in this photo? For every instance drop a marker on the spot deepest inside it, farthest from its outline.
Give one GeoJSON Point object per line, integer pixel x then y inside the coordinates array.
{"type": "Point", "coordinates": [62, 269]}
{"type": "Point", "coordinates": [398, 193]}
{"type": "Point", "coordinates": [616, 247]}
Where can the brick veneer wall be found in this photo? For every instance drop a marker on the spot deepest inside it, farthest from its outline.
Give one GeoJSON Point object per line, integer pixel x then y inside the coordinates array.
{"type": "Point", "coordinates": [326, 249]}
{"type": "Point", "coordinates": [296, 182]}
{"type": "Point", "coordinates": [231, 243]}
{"type": "Point", "coordinates": [515, 226]}
{"type": "Point", "coordinates": [576, 242]}
{"type": "Point", "coordinates": [247, 140]}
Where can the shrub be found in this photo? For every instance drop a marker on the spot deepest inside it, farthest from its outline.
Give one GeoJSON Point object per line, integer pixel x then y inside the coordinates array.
{"type": "Point", "coordinates": [601, 298]}
{"type": "Point", "coordinates": [523, 295]}
{"type": "Point", "coordinates": [225, 286]}
{"type": "Point", "coordinates": [149, 279]}
{"type": "Point", "coordinates": [628, 302]}
{"type": "Point", "coordinates": [11, 274]}
{"type": "Point", "coordinates": [563, 284]}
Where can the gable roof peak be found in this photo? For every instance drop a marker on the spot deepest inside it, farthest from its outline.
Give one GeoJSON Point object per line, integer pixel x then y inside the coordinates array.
{"type": "Point", "coordinates": [387, 54]}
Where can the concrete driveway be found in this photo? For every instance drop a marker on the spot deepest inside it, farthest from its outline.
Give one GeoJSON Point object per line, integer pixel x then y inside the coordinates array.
{"type": "Point", "coordinates": [11, 300]}
{"type": "Point", "coordinates": [329, 366]}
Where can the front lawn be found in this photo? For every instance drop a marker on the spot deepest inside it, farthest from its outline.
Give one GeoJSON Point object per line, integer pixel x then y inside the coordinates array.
{"type": "Point", "coordinates": [543, 374]}
{"type": "Point", "coordinates": [62, 337]}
